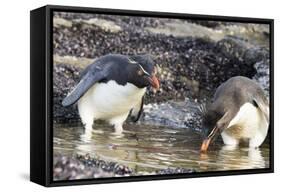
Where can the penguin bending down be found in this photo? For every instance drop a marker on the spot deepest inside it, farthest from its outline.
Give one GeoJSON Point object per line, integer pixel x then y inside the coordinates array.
{"type": "Point", "coordinates": [239, 111]}
{"type": "Point", "coordinates": [111, 88]}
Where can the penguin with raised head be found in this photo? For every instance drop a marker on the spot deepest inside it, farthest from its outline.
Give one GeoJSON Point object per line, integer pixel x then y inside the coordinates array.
{"type": "Point", "coordinates": [239, 111]}
{"type": "Point", "coordinates": [112, 88]}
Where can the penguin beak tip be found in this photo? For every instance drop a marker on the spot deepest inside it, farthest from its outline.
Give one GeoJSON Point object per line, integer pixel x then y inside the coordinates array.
{"type": "Point", "coordinates": [205, 145]}
{"type": "Point", "coordinates": [154, 82]}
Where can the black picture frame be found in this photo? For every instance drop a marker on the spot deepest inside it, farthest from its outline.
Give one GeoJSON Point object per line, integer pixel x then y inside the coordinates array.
{"type": "Point", "coordinates": [41, 62]}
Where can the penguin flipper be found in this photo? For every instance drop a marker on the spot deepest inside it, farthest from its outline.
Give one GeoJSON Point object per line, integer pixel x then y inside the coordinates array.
{"type": "Point", "coordinates": [87, 81]}
{"type": "Point", "coordinates": [263, 106]}
{"type": "Point", "coordinates": [137, 111]}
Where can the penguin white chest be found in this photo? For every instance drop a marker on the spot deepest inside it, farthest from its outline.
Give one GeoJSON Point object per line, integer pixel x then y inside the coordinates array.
{"type": "Point", "coordinates": [110, 100]}
{"type": "Point", "coordinates": [248, 123]}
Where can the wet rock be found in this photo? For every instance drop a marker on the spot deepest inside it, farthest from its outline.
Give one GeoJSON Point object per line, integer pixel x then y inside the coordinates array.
{"type": "Point", "coordinates": [174, 171]}
{"type": "Point", "coordinates": [179, 28]}
{"type": "Point", "coordinates": [262, 76]}
{"type": "Point", "coordinates": [106, 166]}
{"type": "Point", "coordinates": [65, 77]}
{"type": "Point", "coordinates": [210, 24]}
{"type": "Point", "coordinates": [85, 167]}
{"type": "Point", "coordinates": [103, 24]}
{"type": "Point", "coordinates": [71, 168]}
{"type": "Point", "coordinates": [126, 21]}
{"type": "Point", "coordinates": [260, 59]}
{"type": "Point", "coordinates": [185, 114]}
{"type": "Point", "coordinates": [80, 62]}
{"type": "Point", "coordinates": [61, 22]}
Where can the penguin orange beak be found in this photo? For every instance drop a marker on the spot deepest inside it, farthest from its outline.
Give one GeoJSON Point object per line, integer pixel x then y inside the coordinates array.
{"type": "Point", "coordinates": [154, 82]}
{"type": "Point", "coordinates": [206, 142]}
{"type": "Point", "coordinates": [205, 145]}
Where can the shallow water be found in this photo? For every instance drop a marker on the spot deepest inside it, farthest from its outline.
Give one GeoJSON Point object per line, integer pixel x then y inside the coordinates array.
{"type": "Point", "coordinates": [146, 148]}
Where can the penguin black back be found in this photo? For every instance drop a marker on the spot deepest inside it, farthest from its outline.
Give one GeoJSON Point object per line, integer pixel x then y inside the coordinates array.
{"type": "Point", "coordinates": [137, 70]}
{"type": "Point", "coordinates": [120, 67]}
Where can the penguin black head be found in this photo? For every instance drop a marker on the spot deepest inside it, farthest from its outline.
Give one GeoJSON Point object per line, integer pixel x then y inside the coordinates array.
{"type": "Point", "coordinates": [210, 126]}
{"type": "Point", "coordinates": [209, 121]}
{"type": "Point", "coordinates": [142, 72]}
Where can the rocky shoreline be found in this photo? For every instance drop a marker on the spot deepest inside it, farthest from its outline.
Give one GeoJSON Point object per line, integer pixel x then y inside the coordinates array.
{"type": "Point", "coordinates": [190, 65]}
{"type": "Point", "coordinates": [85, 166]}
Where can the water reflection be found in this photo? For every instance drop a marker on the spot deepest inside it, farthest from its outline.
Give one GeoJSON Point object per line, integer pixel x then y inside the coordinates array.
{"type": "Point", "coordinates": [146, 148]}
{"type": "Point", "coordinates": [234, 158]}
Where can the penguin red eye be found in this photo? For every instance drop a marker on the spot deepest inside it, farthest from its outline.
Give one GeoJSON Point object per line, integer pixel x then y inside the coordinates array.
{"type": "Point", "coordinates": [140, 72]}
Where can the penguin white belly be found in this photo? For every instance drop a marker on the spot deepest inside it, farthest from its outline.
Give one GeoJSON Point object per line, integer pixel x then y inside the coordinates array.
{"type": "Point", "coordinates": [110, 100]}
{"type": "Point", "coordinates": [249, 123]}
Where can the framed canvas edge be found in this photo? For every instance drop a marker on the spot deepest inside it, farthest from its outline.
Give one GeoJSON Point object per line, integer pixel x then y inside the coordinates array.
{"type": "Point", "coordinates": [49, 67]}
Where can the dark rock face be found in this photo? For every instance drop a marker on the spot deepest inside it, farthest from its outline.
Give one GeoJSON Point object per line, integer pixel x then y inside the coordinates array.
{"type": "Point", "coordinates": [206, 67]}
{"type": "Point", "coordinates": [65, 77]}
{"type": "Point", "coordinates": [186, 114]}
{"type": "Point", "coordinates": [189, 67]}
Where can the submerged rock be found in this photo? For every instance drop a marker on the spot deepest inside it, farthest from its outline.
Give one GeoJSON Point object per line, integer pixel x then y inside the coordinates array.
{"type": "Point", "coordinates": [86, 167]}
{"type": "Point", "coordinates": [174, 171]}
{"type": "Point", "coordinates": [184, 114]}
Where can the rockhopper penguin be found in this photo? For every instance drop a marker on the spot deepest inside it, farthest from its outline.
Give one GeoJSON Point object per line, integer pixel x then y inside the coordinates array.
{"type": "Point", "coordinates": [239, 111]}
{"type": "Point", "coordinates": [111, 88]}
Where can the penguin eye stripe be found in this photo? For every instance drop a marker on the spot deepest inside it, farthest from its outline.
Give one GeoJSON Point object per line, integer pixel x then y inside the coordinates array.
{"type": "Point", "coordinates": [145, 72]}
{"type": "Point", "coordinates": [140, 72]}
{"type": "Point", "coordinates": [131, 61]}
